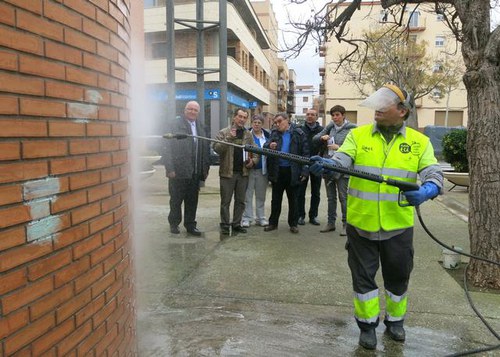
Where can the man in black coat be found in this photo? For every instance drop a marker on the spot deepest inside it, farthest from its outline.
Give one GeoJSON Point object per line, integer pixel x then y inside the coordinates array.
{"type": "Point", "coordinates": [187, 162]}
{"type": "Point", "coordinates": [310, 127]}
{"type": "Point", "coordinates": [285, 175]}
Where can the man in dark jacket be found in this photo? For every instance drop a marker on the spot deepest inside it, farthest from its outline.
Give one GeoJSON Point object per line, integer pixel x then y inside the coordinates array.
{"type": "Point", "coordinates": [187, 162]}
{"type": "Point", "coordinates": [311, 127]}
{"type": "Point", "coordinates": [285, 175]}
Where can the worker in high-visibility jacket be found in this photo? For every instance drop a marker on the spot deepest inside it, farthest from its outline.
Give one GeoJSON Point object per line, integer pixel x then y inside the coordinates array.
{"type": "Point", "coordinates": [379, 229]}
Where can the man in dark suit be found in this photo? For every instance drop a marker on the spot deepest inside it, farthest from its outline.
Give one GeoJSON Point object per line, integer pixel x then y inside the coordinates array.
{"type": "Point", "coordinates": [187, 162]}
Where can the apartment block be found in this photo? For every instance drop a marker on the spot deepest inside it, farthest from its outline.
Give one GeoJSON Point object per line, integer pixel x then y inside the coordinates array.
{"type": "Point", "coordinates": [252, 63]}
{"type": "Point", "coordinates": [423, 24]}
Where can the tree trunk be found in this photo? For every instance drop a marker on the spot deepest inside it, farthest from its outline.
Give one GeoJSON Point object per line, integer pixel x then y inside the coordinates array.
{"type": "Point", "coordinates": [482, 79]}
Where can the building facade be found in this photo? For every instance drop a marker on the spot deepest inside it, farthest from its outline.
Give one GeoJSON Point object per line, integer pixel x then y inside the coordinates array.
{"type": "Point", "coordinates": [252, 69]}
{"type": "Point", "coordinates": [443, 109]}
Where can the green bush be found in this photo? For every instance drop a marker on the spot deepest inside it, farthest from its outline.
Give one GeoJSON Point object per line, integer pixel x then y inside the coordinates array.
{"type": "Point", "coordinates": [455, 149]}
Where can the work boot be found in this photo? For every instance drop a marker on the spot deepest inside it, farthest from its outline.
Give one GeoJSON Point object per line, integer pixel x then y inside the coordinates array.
{"type": "Point", "coordinates": [368, 339]}
{"type": "Point", "coordinates": [301, 221]}
{"type": "Point", "coordinates": [396, 332]}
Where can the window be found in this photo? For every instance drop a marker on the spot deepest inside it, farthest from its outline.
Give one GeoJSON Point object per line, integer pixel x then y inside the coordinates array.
{"type": "Point", "coordinates": [439, 41]}
{"type": "Point", "coordinates": [154, 3]}
{"type": "Point", "coordinates": [414, 19]}
{"type": "Point", "coordinates": [158, 50]}
{"type": "Point", "coordinates": [304, 110]}
{"type": "Point", "coordinates": [439, 17]}
{"type": "Point", "coordinates": [305, 99]}
{"type": "Point", "coordinates": [436, 94]}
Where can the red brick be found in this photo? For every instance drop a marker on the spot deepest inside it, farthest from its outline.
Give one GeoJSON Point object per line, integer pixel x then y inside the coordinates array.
{"type": "Point", "coordinates": [120, 185]}
{"type": "Point", "coordinates": [120, 213]}
{"type": "Point", "coordinates": [12, 238]}
{"type": "Point", "coordinates": [70, 236]}
{"type": "Point", "coordinates": [90, 310]}
{"type": "Point", "coordinates": [110, 174]}
{"type": "Point", "coordinates": [74, 339]}
{"type": "Point", "coordinates": [46, 148]}
{"type": "Point", "coordinates": [90, 178]}
{"type": "Point", "coordinates": [107, 82]}
{"type": "Point", "coordinates": [85, 213]}
{"type": "Point", "coordinates": [99, 192]}
{"type": "Point", "coordinates": [39, 25]}
{"type": "Point", "coordinates": [107, 51]}
{"type": "Point", "coordinates": [101, 222]}
{"type": "Point", "coordinates": [89, 278]}
{"type": "Point", "coordinates": [63, 53]}
{"type": "Point", "coordinates": [63, 90]}
{"type": "Point", "coordinates": [118, 43]}
{"type": "Point", "coordinates": [119, 129]}
{"type": "Point", "coordinates": [10, 194]}
{"type": "Point", "coordinates": [98, 161]}
{"type": "Point", "coordinates": [68, 201]}
{"type": "Point", "coordinates": [66, 129]}
{"type": "Point", "coordinates": [10, 151]}
{"type": "Point", "coordinates": [124, 143]}
{"type": "Point", "coordinates": [113, 260]}
{"type": "Point", "coordinates": [110, 203]}
{"type": "Point", "coordinates": [12, 281]}
{"type": "Point", "coordinates": [81, 76]}
{"type": "Point", "coordinates": [67, 165]}
{"type": "Point", "coordinates": [22, 171]}
{"type": "Point", "coordinates": [69, 308]}
{"type": "Point", "coordinates": [103, 284]}
{"type": "Point", "coordinates": [109, 113]}
{"type": "Point", "coordinates": [32, 5]}
{"type": "Point", "coordinates": [8, 60]}
{"type": "Point", "coordinates": [30, 333]}
{"type": "Point", "coordinates": [114, 289]}
{"type": "Point", "coordinates": [104, 313]}
{"type": "Point", "coordinates": [106, 341]}
{"type": "Point", "coordinates": [103, 4]}
{"type": "Point", "coordinates": [70, 272]}
{"type": "Point", "coordinates": [118, 72]}
{"type": "Point", "coordinates": [83, 7]}
{"type": "Point", "coordinates": [61, 14]}
{"type": "Point", "coordinates": [14, 215]}
{"type": "Point", "coordinates": [15, 83]}
{"type": "Point", "coordinates": [26, 295]}
{"type": "Point", "coordinates": [95, 30]}
{"type": "Point", "coordinates": [53, 336]}
{"type": "Point", "coordinates": [51, 301]}
{"type": "Point", "coordinates": [111, 232]}
{"type": "Point", "coordinates": [102, 253]}
{"type": "Point", "coordinates": [98, 129]}
{"type": "Point", "coordinates": [79, 40]}
{"type": "Point", "coordinates": [124, 115]}
{"type": "Point", "coordinates": [9, 105]}
{"type": "Point", "coordinates": [7, 16]}
{"type": "Point", "coordinates": [86, 246]}
{"type": "Point", "coordinates": [23, 42]}
{"type": "Point", "coordinates": [41, 67]}
{"type": "Point", "coordinates": [89, 343]}
{"type": "Point", "coordinates": [45, 108]}
{"type": "Point", "coordinates": [13, 322]}
{"type": "Point", "coordinates": [105, 19]}
{"type": "Point", "coordinates": [48, 265]}
{"type": "Point", "coordinates": [23, 128]}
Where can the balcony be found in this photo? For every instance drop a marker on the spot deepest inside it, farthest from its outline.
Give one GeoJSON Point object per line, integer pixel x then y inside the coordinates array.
{"type": "Point", "coordinates": [322, 71]}
{"type": "Point", "coordinates": [322, 50]}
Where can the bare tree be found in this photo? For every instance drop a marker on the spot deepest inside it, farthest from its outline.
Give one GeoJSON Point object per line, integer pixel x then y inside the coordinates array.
{"type": "Point", "coordinates": [469, 21]}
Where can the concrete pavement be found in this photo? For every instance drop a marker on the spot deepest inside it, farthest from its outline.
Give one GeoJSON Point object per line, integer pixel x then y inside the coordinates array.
{"type": "Point", "coordinates": [282, 294]}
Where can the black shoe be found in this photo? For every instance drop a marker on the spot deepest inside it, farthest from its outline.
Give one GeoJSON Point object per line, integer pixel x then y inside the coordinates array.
{"type": "Point", "coordinates": [301, 221]}
{"type": "Point", "coordinates": [396, 333]}
{"type": "Point", "coordinates": [194, 232]}
{"type": "Point", "coordinates": [239, 229]}
{"type": "Point", "coordinates": [270, 227]}
{"type": "Point", "coordinates": [225, 231]}
{"type": "Point", "coordinates": [368, 339]}
{"type": "Point", "coordinates": [174, 229]}
{"type": "Point", "coordinates": [294, 229]}
{"type": "Point", "coordinates": [314, 221]}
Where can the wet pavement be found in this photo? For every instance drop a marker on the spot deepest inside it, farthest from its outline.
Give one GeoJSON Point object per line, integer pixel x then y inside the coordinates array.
{"type": "Point", "coordinates": [282, 294]}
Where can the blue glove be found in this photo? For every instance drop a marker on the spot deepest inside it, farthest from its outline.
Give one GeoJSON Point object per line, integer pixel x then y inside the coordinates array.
{"type": "Point", "coordinates": [317, 168]}
{"type": "Point", "coordinates": [427, 191]}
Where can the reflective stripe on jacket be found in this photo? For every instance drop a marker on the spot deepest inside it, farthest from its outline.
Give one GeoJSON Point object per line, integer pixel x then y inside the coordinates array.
{"type": "Point", "coordinates": [370, 205]}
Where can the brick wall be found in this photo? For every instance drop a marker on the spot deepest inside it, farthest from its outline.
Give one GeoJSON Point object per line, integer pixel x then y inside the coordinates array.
{"type": "Point", "coordinates": [66, 267]}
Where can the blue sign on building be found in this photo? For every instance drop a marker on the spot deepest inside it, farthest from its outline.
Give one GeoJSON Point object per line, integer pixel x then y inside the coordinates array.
{"type": "Point", "coordinates": [210, 94]}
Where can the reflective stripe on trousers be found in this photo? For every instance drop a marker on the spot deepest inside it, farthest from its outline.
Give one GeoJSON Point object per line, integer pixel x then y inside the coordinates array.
{"type": "Point", "coordinates": [366, 306]}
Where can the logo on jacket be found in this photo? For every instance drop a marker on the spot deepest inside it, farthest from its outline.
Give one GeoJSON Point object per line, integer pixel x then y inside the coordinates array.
{"type": "Point", "coordinates": [404, 148]}
{"type": "Point", "coordinates": [366, 148]}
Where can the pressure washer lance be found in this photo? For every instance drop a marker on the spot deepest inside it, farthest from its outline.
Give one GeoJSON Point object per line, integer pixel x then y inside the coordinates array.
{"type": "Point", "coordinates": [402, 185]}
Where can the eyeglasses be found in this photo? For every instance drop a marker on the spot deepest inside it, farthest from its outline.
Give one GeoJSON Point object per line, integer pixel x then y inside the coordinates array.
{"type": "Point", "coordinates": [278, 121]}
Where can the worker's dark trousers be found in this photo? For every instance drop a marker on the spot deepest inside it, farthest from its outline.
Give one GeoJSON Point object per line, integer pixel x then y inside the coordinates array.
{"type": "Point", "coordinates": [183, 191]}
{"type": "Point", "coordinates": [364, 257]}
